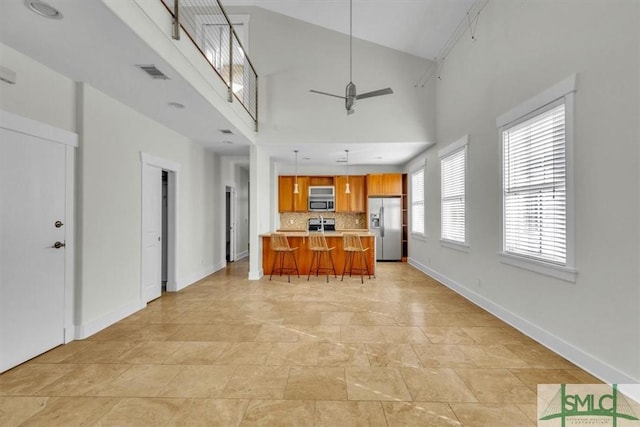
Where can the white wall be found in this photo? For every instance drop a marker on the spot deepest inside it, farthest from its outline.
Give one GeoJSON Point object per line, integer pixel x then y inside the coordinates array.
{"type": "Point", "coordinates": [521, 49]}
{"type": "Point", "coordinates": [112, 137]}
{"type": "Point", "coordinates": [293, 57]}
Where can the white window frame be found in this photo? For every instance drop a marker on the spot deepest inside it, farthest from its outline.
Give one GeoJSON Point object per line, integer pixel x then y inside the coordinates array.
{"type": "Point", "coordinates": [417, 234]}
{"type": "Point", "coordinates": [563, 90]}
{"type": "Point", "coordinates": [461, 144]}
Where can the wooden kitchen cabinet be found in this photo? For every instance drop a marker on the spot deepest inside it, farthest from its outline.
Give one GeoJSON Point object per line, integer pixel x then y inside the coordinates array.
{"type": "Point", "coordinates": [384, 184]}
{"type": "Point", "coordinates": [289, 202]}
{"type": "Point", "coordinates": [356, 201]}
{"type": "Point", "coordinates": [321, 180]}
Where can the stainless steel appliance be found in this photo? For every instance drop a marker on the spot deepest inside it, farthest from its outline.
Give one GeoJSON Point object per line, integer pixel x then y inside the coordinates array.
{"type": "Point", "coordinates": [322, 224]}
{"type": "Point", "coordinates": [322, 198]}
{"type": "Point", "coordinates": [385, 222]}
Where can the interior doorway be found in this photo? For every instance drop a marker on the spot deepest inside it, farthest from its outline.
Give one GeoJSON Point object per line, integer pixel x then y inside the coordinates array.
{"type": "Point", "coordinates": [159, 227]}
{"type": "Point", "coordinates": [230, 209]}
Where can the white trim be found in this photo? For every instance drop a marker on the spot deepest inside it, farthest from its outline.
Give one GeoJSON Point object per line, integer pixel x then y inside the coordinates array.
{"type": "Point", "coordinates": [567, 274]}
{"type": "Point", "coordinates": [534, 106]}
{"type": "Point", "coordinates": [575, 355]}
{"type": "Point", "coordinates": [172, 211]}
{"type": "Point", "coordinates": [38, 129]}
{"type": "Point", "coordinates": [549, 95]}
{"type": "Point", "coordinates": [15, 123]}
{"type": "Point", "coordinates": [454, 146]}
{"type": "Point", "coordinates": [256, 276]}
{"type": "Point", "coordinates": [96, 325]}
{"type": "Point", "coordinates": [458, 246]}
{"type": "Point", "coordinates": [195, 277]}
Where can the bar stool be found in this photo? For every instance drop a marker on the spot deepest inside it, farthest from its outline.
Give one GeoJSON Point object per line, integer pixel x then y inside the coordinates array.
{"type": "Point", "coordinates": [321, 251]}
{"type": "Point", "coordinates": [352, 245]}
{"type": "Point", "coordinates": [280, 245]}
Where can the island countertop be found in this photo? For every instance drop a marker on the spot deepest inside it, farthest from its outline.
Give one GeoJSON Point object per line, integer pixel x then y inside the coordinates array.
{"type": "Point", "coordinates": [298, 239]}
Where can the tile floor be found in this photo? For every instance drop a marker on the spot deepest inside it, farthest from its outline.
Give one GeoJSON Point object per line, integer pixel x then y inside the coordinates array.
{"type": "Point", "coordinates": [399, 350]}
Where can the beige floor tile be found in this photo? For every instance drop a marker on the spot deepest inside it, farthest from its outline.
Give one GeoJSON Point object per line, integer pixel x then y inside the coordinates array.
{"type": "Point", "coordinates": [376, 384]}
{"type": "Point", "coordinates": [210, 413]}
{"type": "Point", "coordinates": [150, 352]}
{"type": "Point", "coordinates": [293, 354]}
{"type": "Point", "coordinates": [373, 319]}
{"type": "Point", "coordinates": [322, 333]}
{"type": "Point", "coordinates": [72, 411]}
{"type": "Point", "coordinates": [257, 382]}
{"type": "Point", "coordinates": [141, 412]}
{"type": "Point", "coordinates": [62, 352]}
{"type": "Point", "coordinates": [433, 319]}
{"type": "Point", "coordinates": [197, 353]}
{"type": "Point", "coordinates": [215, 333]}
{"type": "Point", "coordinates": [484, 319]}
{"type": "Point", "coordinates": [436, 385]}
{"type": "Point", "coordinates": [348, 413]}
{"type": "Point", "coordinates": [136, 332]}
{"type": "Point", "coordinates": [392, 355]}
{"type": "Point", "coordinates": [295, 318]}
{"type": "Point", "coordinates": [533, 377]}
{"type": "Point", "coordinates": [496, 386]}
{"type": "Point", "coordinates": [583, 377]}
{"type": "Point", "coordinates": [342, 354]}
{"type": "Point", "coordinates": [101, 352]}
{"type": "Point", "coordinates": [362, 334]}
{"type": "Point", "coordinates": [205, 381]}
{"type": "Point", "coordinates": [539, 357]}
{"type": "Point", "coordinates": [83, 380]}
{"type": "Point", "coordinates": [447, 335]}
{"type": "Point", "coordinates": [419, 414]}
{"type": "Point", "coordinates": [16, 409]}
{"type": "Point", "coordinates": [316, 384]}
{"type": "Point", "coordinates": [337, 318]}
{"type": "Point", "coordinates": [493, 356]}
{"type": "Point", "coordinates": [278, 333]}
{"type": "Point", "coordinates": [140, 381]}
{"type": "Point", "coordinates": [485, 414]}
{"type": "Point", "coordinates": [28, 379]}
{"type": "Point", "coordinates": [278, 413]}
{"type": "Point", "coordinates": [244, 353]}
{"type": "Point", "coordinates": [442, 356]}
{"type": "Point", "coordinates": [487, 335]}
{"type": "Point", "coordinates": [403, 334]}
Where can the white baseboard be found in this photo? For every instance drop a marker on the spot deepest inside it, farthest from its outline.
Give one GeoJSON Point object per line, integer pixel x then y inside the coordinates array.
{"type": "Point", "coordinates": [256, 275]}
{"type": "Point", "coordinates": [85, 330]}
{"type": "Point", "coordinates": [241, 255]}
{"type": "Point", "coordinates": [193, 278]}
{"type": "Point", "coordinates": [575, 355]}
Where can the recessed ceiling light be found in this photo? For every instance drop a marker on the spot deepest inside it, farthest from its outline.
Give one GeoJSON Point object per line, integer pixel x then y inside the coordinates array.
{"type": "Point", "coordinates": [378, 158]}
{"type": "Point", "coordinates": [43, 9]}
{"type": "Point", "coordinates": [226, 131]}
{"type": "Point", "coordinates": [227, 142]}
{"type": "Point", "coordinates": [176, 105]}
{"type": "Point", "coordinates": [306, 158]}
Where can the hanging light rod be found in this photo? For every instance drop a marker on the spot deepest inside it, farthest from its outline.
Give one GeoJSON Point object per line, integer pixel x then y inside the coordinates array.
{"type": "Point", "coordinates": [347, 190]}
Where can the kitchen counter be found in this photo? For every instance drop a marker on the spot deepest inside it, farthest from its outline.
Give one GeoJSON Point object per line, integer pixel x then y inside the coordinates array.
{"type": "Point", "coordinates": [298, 238]}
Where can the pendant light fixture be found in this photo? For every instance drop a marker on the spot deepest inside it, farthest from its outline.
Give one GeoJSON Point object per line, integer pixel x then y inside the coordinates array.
{"type": "Point", "coordinates": [347, 190]}
{"type": "Point", "coordinates": [295, 183]}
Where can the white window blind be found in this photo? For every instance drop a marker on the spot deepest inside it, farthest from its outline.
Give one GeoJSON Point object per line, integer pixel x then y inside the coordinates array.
{"type": "Point", "coordinates": [534, 185]}
{"type": "Point", "coordinates": [453, 175]}
{"type": "Point", "coordinates": [417, 202]}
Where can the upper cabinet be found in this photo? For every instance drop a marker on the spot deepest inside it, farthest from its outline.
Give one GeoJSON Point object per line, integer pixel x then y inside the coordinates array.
{"type": "Point", "coordinates": [356, 199]}
{"type": "Point", "coordinates": [384, 184]}
{"type": "Point", "coordinates": [287, 200]}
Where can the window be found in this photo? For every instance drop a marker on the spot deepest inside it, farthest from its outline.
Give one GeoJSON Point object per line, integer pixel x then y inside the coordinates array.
{"type": "Point", "coordinates": [453, 166]}
{"type": "Point", "coordinates": [536, 208]}
{"type": "Point", "coordinates": [417, 202]}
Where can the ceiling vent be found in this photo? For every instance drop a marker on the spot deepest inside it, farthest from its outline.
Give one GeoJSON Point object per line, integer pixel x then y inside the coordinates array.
{"type": "Point", "coordinates": [153, 72]}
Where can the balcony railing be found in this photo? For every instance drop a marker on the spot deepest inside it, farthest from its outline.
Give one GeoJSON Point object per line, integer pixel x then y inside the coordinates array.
{"type": "Point", "coordinates": [208, 26]}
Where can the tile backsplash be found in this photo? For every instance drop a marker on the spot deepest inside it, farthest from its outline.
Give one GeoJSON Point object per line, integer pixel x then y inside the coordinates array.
{"type": "Point", "coordinates": [344, 221]}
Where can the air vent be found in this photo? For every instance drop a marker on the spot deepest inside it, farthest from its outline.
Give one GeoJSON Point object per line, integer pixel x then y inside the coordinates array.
{"type": "Point", "coordinates": [226, 131]}
{"type": "Point", "coordinates": [153, 72]}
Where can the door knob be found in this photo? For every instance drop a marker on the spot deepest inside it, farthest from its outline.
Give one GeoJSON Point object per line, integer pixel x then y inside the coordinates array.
{"type": "Point", "coordinates": [58, 224]}
{"type": "Point", "coordinates": [58, 245]}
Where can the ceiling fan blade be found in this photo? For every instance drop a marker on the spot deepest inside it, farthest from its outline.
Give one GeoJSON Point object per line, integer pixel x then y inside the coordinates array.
{"type": "Point", "coordinates": [328, 94]}
{"type": "Point", "coordinates": [385, 91]}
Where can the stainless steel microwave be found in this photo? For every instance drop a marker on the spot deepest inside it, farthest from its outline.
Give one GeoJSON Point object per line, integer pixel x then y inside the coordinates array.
{"type": "Point", "coordinates": [322, 198]}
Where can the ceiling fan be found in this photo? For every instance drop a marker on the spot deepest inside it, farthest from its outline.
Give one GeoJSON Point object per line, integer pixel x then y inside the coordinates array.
{"type": "Point", "coordinates": [351, 95]}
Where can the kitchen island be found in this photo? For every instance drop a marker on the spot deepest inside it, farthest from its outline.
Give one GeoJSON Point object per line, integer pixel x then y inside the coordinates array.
{"type": "Point", "coordinates": [299, 239]}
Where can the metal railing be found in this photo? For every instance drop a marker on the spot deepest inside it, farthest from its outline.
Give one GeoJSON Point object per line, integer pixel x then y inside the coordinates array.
{"type": "Point", "coordinates": [208, 26]}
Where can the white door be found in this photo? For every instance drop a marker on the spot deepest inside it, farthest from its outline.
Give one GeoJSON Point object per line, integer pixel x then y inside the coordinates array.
{"type": "Point", "coordinates": [151, 232]}
{"type": "Point", "coordinates": [32, 270]}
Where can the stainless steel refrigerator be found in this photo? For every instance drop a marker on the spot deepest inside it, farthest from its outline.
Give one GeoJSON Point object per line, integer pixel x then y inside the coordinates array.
{"type": "Point", "coordinates": [385, 222]}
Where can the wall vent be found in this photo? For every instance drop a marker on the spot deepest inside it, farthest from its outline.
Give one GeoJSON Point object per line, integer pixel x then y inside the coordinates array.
{"type": "Point", "coordinates": [153, 72]}
{"type": "Point", "coordinates": [226, 131]}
